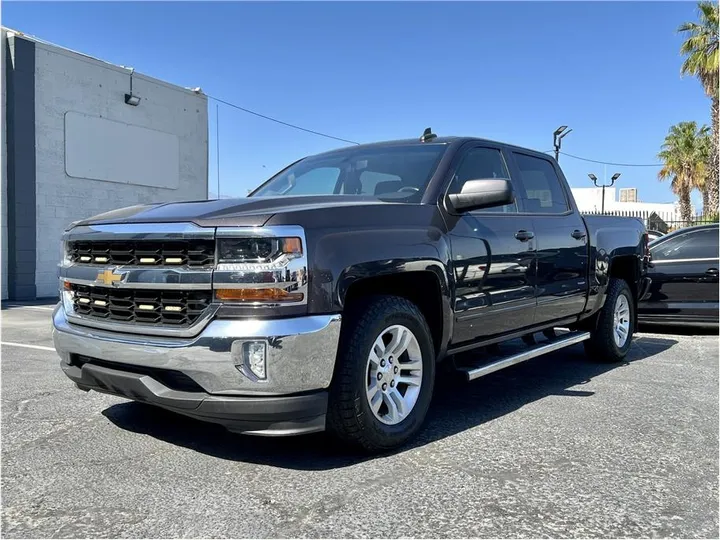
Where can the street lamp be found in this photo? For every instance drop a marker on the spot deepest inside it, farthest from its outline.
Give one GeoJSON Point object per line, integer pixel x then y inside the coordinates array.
{"type": "Point", "coordinates": [558, 134]}
{"type": "Point", "coordinates": [612, 181]}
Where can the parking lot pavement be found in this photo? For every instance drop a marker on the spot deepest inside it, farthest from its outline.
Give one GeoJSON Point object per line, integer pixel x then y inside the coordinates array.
{"type": "Point", "coordinates": [557, 447]}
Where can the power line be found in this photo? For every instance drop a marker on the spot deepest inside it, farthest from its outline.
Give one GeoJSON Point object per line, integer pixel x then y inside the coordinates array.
{"type": "Point", "coordinates": [238, 107]}
{"type": "Point", "coordinates": [615, 164]}
{"type": "Point", "coordinates": [320, 134]}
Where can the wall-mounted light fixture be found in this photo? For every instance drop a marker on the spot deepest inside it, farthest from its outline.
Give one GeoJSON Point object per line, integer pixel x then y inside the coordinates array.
{"type": "Point", "coordinates": [131, 99]}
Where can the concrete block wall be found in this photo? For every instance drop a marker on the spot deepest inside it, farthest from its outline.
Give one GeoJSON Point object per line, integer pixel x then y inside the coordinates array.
{"type": "Point", "coordinates": [65, 81]}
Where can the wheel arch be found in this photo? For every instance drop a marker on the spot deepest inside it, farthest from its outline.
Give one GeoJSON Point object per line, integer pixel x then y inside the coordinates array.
{"type": "Point", "coordinates": [424, 283]}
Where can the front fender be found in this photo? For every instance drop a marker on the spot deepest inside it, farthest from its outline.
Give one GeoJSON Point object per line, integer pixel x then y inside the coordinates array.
{"type": "Point", "coordinates": [341, 258]}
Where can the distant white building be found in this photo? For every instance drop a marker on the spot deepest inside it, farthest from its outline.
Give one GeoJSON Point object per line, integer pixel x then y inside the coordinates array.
{"type": "Point", "coordinates": [590, 200]}
{"type": "Point", "coordinates": [628, 194]}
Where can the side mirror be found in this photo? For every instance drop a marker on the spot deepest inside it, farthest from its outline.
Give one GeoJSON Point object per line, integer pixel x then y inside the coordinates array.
{"type": "Point", "coordinates": [484, 193]}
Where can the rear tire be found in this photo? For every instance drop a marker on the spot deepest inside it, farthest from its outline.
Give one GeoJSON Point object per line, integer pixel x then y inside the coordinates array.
{"type": "Point", "coordinates": [377, 401]}
{"type": "Point", "coordinates": [612, 337]}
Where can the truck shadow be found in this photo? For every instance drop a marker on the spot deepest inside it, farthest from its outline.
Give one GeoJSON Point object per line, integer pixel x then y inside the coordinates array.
{"type": "Point", "coordinates": [457, 406]}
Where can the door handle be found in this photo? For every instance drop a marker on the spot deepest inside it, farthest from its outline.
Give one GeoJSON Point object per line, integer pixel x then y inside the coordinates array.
{"type": "Point", "coordinates": [712, 272]}
{"type": "Point", "coordinates": [524, 236]}
{"type": "Point", "coordinates": [578, 234]}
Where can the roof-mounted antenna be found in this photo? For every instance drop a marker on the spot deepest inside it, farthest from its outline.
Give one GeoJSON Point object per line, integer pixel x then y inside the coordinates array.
{"type": "Point", "coordinates": [427, 135]}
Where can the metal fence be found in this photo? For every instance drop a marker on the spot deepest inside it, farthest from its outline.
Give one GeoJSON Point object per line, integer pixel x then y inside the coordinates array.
{"type": "Point", "coordinates": [659, 221]}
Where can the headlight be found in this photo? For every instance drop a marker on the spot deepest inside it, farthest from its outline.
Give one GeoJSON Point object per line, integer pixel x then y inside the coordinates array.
{"type": "Point", "coordinates": [257, 250]}
{"type": "Point", "coordinates": [64, 252]}
{"type": "Point", "coordinates": [261, 269]}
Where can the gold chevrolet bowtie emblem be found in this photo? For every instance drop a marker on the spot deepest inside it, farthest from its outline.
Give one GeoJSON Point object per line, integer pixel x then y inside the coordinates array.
{"type": "Point", "coordinates": [108, 277]}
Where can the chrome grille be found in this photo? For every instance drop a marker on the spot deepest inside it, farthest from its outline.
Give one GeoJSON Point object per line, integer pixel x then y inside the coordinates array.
{"type": "Point", "coordinates": [177, 308]}
{"type": "Point", "coordinates": [143, 253]}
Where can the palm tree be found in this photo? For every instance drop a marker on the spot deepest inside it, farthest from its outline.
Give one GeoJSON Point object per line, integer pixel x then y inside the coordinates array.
{"type": "Point", "coordinates": [702, 61]}
{"type": "Point", "coordinates": [685, 161]}
{"type": "Point", "coordinates": [705, 149]}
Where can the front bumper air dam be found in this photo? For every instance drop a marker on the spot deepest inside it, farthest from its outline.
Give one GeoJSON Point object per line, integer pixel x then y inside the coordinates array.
{"type": "Point", "coordinates": [270, 416]}
{"type": "Point", "coordinates": [293, 399]}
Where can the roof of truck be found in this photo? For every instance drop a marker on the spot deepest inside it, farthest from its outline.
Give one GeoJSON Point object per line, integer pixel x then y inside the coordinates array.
{"type": "Point", "coordinates": [437, 140]}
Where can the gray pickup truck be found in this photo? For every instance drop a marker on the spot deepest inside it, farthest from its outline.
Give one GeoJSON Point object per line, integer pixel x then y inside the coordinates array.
{"type": "Point", "coordinates": [327, 298]}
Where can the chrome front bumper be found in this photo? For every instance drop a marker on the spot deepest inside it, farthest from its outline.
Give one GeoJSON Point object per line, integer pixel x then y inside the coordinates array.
{"type": "Point", "coordinates": [300, 352]}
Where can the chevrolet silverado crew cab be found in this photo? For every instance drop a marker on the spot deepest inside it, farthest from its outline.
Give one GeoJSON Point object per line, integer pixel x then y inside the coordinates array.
{"type": "Point", "coordinates": [328, 297]}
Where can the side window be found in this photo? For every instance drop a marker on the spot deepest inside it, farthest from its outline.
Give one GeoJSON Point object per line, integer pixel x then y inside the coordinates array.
{"type": "Point", "coordinates": [318, 181]}
{"type": "Point", "coordinates": [377, 183]}
{"type": "Point", "coordinates": [694, 245]}
{"type": "Point", "coordinates": [479, 163]}
{"type": "Point", "coordinates": [543, 191]}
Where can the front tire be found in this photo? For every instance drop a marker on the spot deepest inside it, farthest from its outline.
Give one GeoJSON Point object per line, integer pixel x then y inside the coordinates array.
{"type": "Point", "coordinates": [612, 337]}
{"type": "Point", "coordinates": [385, 374]}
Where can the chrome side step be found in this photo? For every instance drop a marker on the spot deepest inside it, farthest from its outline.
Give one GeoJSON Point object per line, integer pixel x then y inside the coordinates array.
{"type": "Point", "coordinates": [559, 343]}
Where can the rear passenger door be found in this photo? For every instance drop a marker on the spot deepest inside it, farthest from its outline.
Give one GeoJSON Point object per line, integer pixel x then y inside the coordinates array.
{"type": "Point", "coordinates": [492, 255]}
{"type": "Point", "coordinates": [561, 238]}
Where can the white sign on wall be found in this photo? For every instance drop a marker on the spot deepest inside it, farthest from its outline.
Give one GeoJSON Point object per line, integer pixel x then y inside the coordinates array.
{"type": "Point", "coordinates": [101, 149]}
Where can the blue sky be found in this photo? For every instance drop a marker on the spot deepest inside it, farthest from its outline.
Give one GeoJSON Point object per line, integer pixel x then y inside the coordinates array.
{"type": "Point", "coordinates": [372, 71]}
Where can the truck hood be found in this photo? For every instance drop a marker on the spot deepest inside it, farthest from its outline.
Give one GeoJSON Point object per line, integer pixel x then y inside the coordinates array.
{"type": "Point", "coordinates": [247, 212]}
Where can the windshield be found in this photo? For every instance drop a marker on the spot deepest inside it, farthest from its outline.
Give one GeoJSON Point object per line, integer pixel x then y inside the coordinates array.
{"type": "Point", "coordinates": [387, 172]}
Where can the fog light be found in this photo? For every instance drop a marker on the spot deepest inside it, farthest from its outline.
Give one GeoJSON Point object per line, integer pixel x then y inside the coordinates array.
{"type": "Point", "coordinates": [254, 358]}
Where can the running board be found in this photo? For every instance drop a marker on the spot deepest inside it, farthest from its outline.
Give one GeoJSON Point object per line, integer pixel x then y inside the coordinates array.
{"type": "Point", "coordinates": [559, 343]}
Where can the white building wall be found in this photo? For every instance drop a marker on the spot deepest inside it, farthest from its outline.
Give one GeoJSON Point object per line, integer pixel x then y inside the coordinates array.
{"type": "Point", "coordinates": [69, 82]}
{"type": "Point", "coordinates": [590, 200]}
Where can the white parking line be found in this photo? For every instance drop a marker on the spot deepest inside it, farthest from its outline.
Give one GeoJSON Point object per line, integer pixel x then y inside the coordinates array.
{"type": "Point", "coordinates": [39, 347]}
{"type": "Point", "coordinates": [43, 308]}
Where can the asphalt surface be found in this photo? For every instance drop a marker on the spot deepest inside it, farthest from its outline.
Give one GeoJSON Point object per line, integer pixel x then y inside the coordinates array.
{"type": "Point", "coordinates": [556, 447]}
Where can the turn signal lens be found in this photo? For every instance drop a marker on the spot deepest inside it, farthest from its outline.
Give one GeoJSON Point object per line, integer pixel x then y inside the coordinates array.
{"type": "Point", "coordinates": [292, 245]}
{"type": "Point", "coordinates": [67, 286]}
{"type": "Point", "coordinates": [258, 295]}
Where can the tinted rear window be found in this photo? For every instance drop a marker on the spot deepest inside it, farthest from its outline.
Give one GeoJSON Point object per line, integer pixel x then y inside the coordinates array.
{"type": "Point", "coordinates": [701, 244]}
{"type": "Point", "coordinates": [543, 191]}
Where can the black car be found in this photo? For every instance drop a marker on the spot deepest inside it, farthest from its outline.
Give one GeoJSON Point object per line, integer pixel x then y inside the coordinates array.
{"type": "Point", "coordinates": [654, 235]}
{"type": "Point", "coordinates": [684, 273]}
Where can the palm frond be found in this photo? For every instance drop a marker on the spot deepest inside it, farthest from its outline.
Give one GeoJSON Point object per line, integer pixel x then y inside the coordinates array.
{"type": "Point", "coordinates": [685, 154]}
{"type": "Point", "coordinates": [700, 47]}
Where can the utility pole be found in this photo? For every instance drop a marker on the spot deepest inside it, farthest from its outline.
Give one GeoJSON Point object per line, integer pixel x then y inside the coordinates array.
{"type": "Point", "coordinates": [558, 135]}
{"type": "Point", "coordinates": [603, 186]}
{"type": "Point", "coordinates": [217, 145]}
